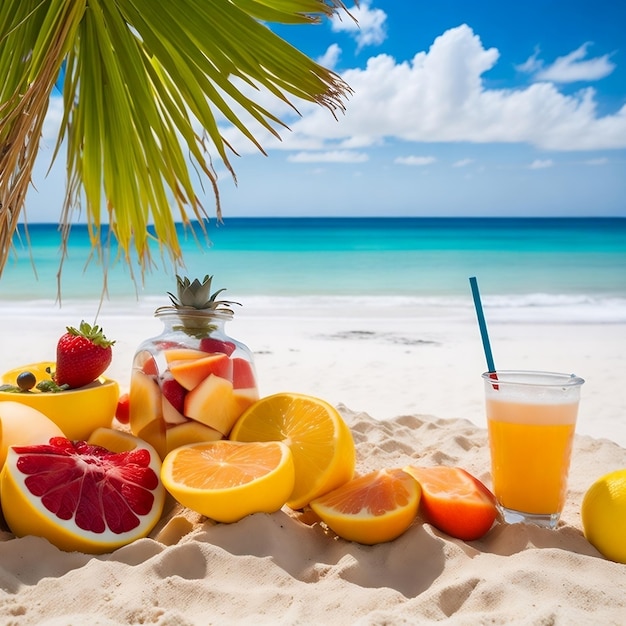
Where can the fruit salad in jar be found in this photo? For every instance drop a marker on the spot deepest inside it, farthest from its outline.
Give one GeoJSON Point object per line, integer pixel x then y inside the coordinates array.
{"type": "Point", "coordinates": [192, 382]}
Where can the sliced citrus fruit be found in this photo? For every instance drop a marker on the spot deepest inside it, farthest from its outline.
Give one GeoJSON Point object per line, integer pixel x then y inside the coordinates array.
{"type": "Point", "coordinates": [454, 501]}
{"type": "Point", "coordinates": [80, 496]}
{"type": "Point", "coordinates": [227, 480]}
{"type": "Point", "coordinates": [21, 425]}
{"type": "Point", "coordinates": [603, 514]}
{"type": "Point", "coordinates": [320, 441]}
{"type": "Point", "coordinates": [374, 508]}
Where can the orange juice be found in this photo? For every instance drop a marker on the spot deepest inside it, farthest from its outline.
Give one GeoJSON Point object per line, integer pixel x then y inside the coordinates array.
{"type": "Point", "coordinates": [531, 418]}
{"type": "Point", "coordinates": [531, 446]}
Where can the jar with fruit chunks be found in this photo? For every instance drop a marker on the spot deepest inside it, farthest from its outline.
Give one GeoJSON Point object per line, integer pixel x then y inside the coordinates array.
{"type": "Point", "coordinates": [193, 381]}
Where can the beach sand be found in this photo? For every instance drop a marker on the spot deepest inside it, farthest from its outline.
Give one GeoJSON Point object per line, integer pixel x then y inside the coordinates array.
{"type": "Point", "coordinates": [408, 384]}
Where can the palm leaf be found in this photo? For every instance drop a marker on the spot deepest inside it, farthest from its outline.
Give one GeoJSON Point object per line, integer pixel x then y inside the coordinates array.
{"type": "Point", "coordinates": [146, 88]}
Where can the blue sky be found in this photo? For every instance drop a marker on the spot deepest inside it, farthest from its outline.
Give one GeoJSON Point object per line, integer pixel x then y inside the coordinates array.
{"type": "Point", "coordinates": [459, 109]}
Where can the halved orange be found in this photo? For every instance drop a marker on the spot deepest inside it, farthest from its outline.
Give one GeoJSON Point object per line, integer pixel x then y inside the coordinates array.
{"type": "Point", "coordinates": [454, 501]}
{"type": "Point", "coordinates": [82, 497]}
{"type": "Point", "coordinates": [320, 441]}
{"type": "Point", "coordinates": [374, 508]}
{"type": "Point", "coordinates": [227, 480]}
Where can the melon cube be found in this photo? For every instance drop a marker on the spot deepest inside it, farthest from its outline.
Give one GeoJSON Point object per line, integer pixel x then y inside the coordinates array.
{"type": "Point", "coordinates": [243, 398]}
{"type": "Point", "coordinates": [191, 372]}
{"type": "Point", "coordinates": [212, 404]}
{"type": "Point", "coordinates": [189, 432]}
{"type": "Point", "coordinates": [182, 354]}
{"type": "Point", "coordinates": [144, 401]}
{"type": "Point", "coordinates": [154, 434]}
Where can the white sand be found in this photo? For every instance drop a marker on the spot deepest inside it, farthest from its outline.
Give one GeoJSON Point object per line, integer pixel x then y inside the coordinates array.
{"type": "Point", "coordinates": [389, 371]}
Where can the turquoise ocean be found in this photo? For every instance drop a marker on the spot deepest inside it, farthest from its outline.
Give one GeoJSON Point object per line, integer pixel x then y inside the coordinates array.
{"type": "Point", "coordinates": [529, 268]}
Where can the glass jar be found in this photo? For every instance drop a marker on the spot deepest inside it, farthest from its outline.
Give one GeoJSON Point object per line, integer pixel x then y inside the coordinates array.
{"type": "Point", "coordinates": [190, 383]}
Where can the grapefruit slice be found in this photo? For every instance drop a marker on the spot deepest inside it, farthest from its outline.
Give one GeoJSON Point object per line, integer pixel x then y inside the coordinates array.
{"type": "Point", "coordinates": [82, 497]}
{"type": "Point", "coordinates": [320, 441]}
{"type": "Point", "coordinates": [371, 509]}
{"type": "Point", "coordinates": [226, 480]}
{"type": "Point", "coordinates": [454, 501]}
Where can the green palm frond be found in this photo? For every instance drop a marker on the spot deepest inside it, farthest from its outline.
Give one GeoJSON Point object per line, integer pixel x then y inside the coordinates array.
{"type": "Point", "coordinates": [141, 78]}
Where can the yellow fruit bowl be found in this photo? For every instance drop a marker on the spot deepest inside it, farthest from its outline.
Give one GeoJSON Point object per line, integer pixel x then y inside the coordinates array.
{"type": "Point", "coordinates": [77, 412]}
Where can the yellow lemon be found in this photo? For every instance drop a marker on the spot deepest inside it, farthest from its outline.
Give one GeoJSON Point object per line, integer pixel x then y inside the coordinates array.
{"type": "Point", "coordinates": [603, 513]}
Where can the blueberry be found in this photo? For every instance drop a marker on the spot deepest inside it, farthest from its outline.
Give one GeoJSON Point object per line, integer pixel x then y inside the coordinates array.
{"type": "Point", "coordinates": [26, 381]}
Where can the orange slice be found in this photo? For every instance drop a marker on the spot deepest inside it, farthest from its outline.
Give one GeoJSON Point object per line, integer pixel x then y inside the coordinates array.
{"type": "Point", "coordinates": [319, 439]}
{"type": "Point", "coordinates": [454, 501]}
{"type": "Point", "coordinates": [374, 508]}
{"type": "Point", "coordinates": [82, 497]}
{"type": "Point", "coordinates": [226, 480]}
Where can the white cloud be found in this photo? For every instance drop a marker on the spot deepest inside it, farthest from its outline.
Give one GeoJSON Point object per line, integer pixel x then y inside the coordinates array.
{"type": "Point", "coordinates": [574, 67]}
{"type": "Point", "coordinates": [599, 161]}
{"type": "Point", "coordinates": [541, 164]}
{"type": "Point", "coordinates": [532, 64]}
{"type": "Point", "coordinates": [415, 160]}
{"type": "Point", "coordinates": [462, 162]}
{"type": "Point", "coordinates": [439, 96]}
{"type": "Point", "coordinates": [330, 57]}
{"type": "Point", "coordinates": [333, 156]}
{"type": "Point", "coordinates": [371, 28]}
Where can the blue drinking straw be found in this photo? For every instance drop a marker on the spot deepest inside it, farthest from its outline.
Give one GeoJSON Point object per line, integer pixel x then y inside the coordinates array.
{"type": "Point", "coordinates": [482, 325]}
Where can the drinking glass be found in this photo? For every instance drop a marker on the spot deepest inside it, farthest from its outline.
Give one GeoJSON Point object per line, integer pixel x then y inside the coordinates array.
{"type": "Point", "coordinates": [531, 418]}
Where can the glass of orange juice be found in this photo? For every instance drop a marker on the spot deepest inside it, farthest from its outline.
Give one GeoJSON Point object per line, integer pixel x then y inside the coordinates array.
{"type": "Point", "coordinates": [531, 418]}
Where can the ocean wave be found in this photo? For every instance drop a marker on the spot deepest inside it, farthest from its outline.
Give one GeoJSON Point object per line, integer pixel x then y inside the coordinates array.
{"type": "Point", "coordinates": [502, 308]}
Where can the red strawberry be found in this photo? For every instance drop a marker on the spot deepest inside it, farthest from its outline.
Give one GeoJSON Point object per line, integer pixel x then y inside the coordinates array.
{"type": "Point", "coordinates": [82, 356]}
{"type": "Point", "coordinates": [122, 412]}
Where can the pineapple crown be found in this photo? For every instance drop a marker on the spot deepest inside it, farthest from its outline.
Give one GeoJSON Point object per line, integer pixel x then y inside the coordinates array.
{"type": "Point", "coordinates": [197, 295]}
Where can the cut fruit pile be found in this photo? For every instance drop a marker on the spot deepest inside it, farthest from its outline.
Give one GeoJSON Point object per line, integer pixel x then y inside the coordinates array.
{"type": "Point", "coordinates": [81, 496]}
{"type": "Point", "coordinates": [194, 402]}
{"type": "Point", "coordinates": [197, 397]}
{"type": "Point", "coordinates": [286, 449]}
